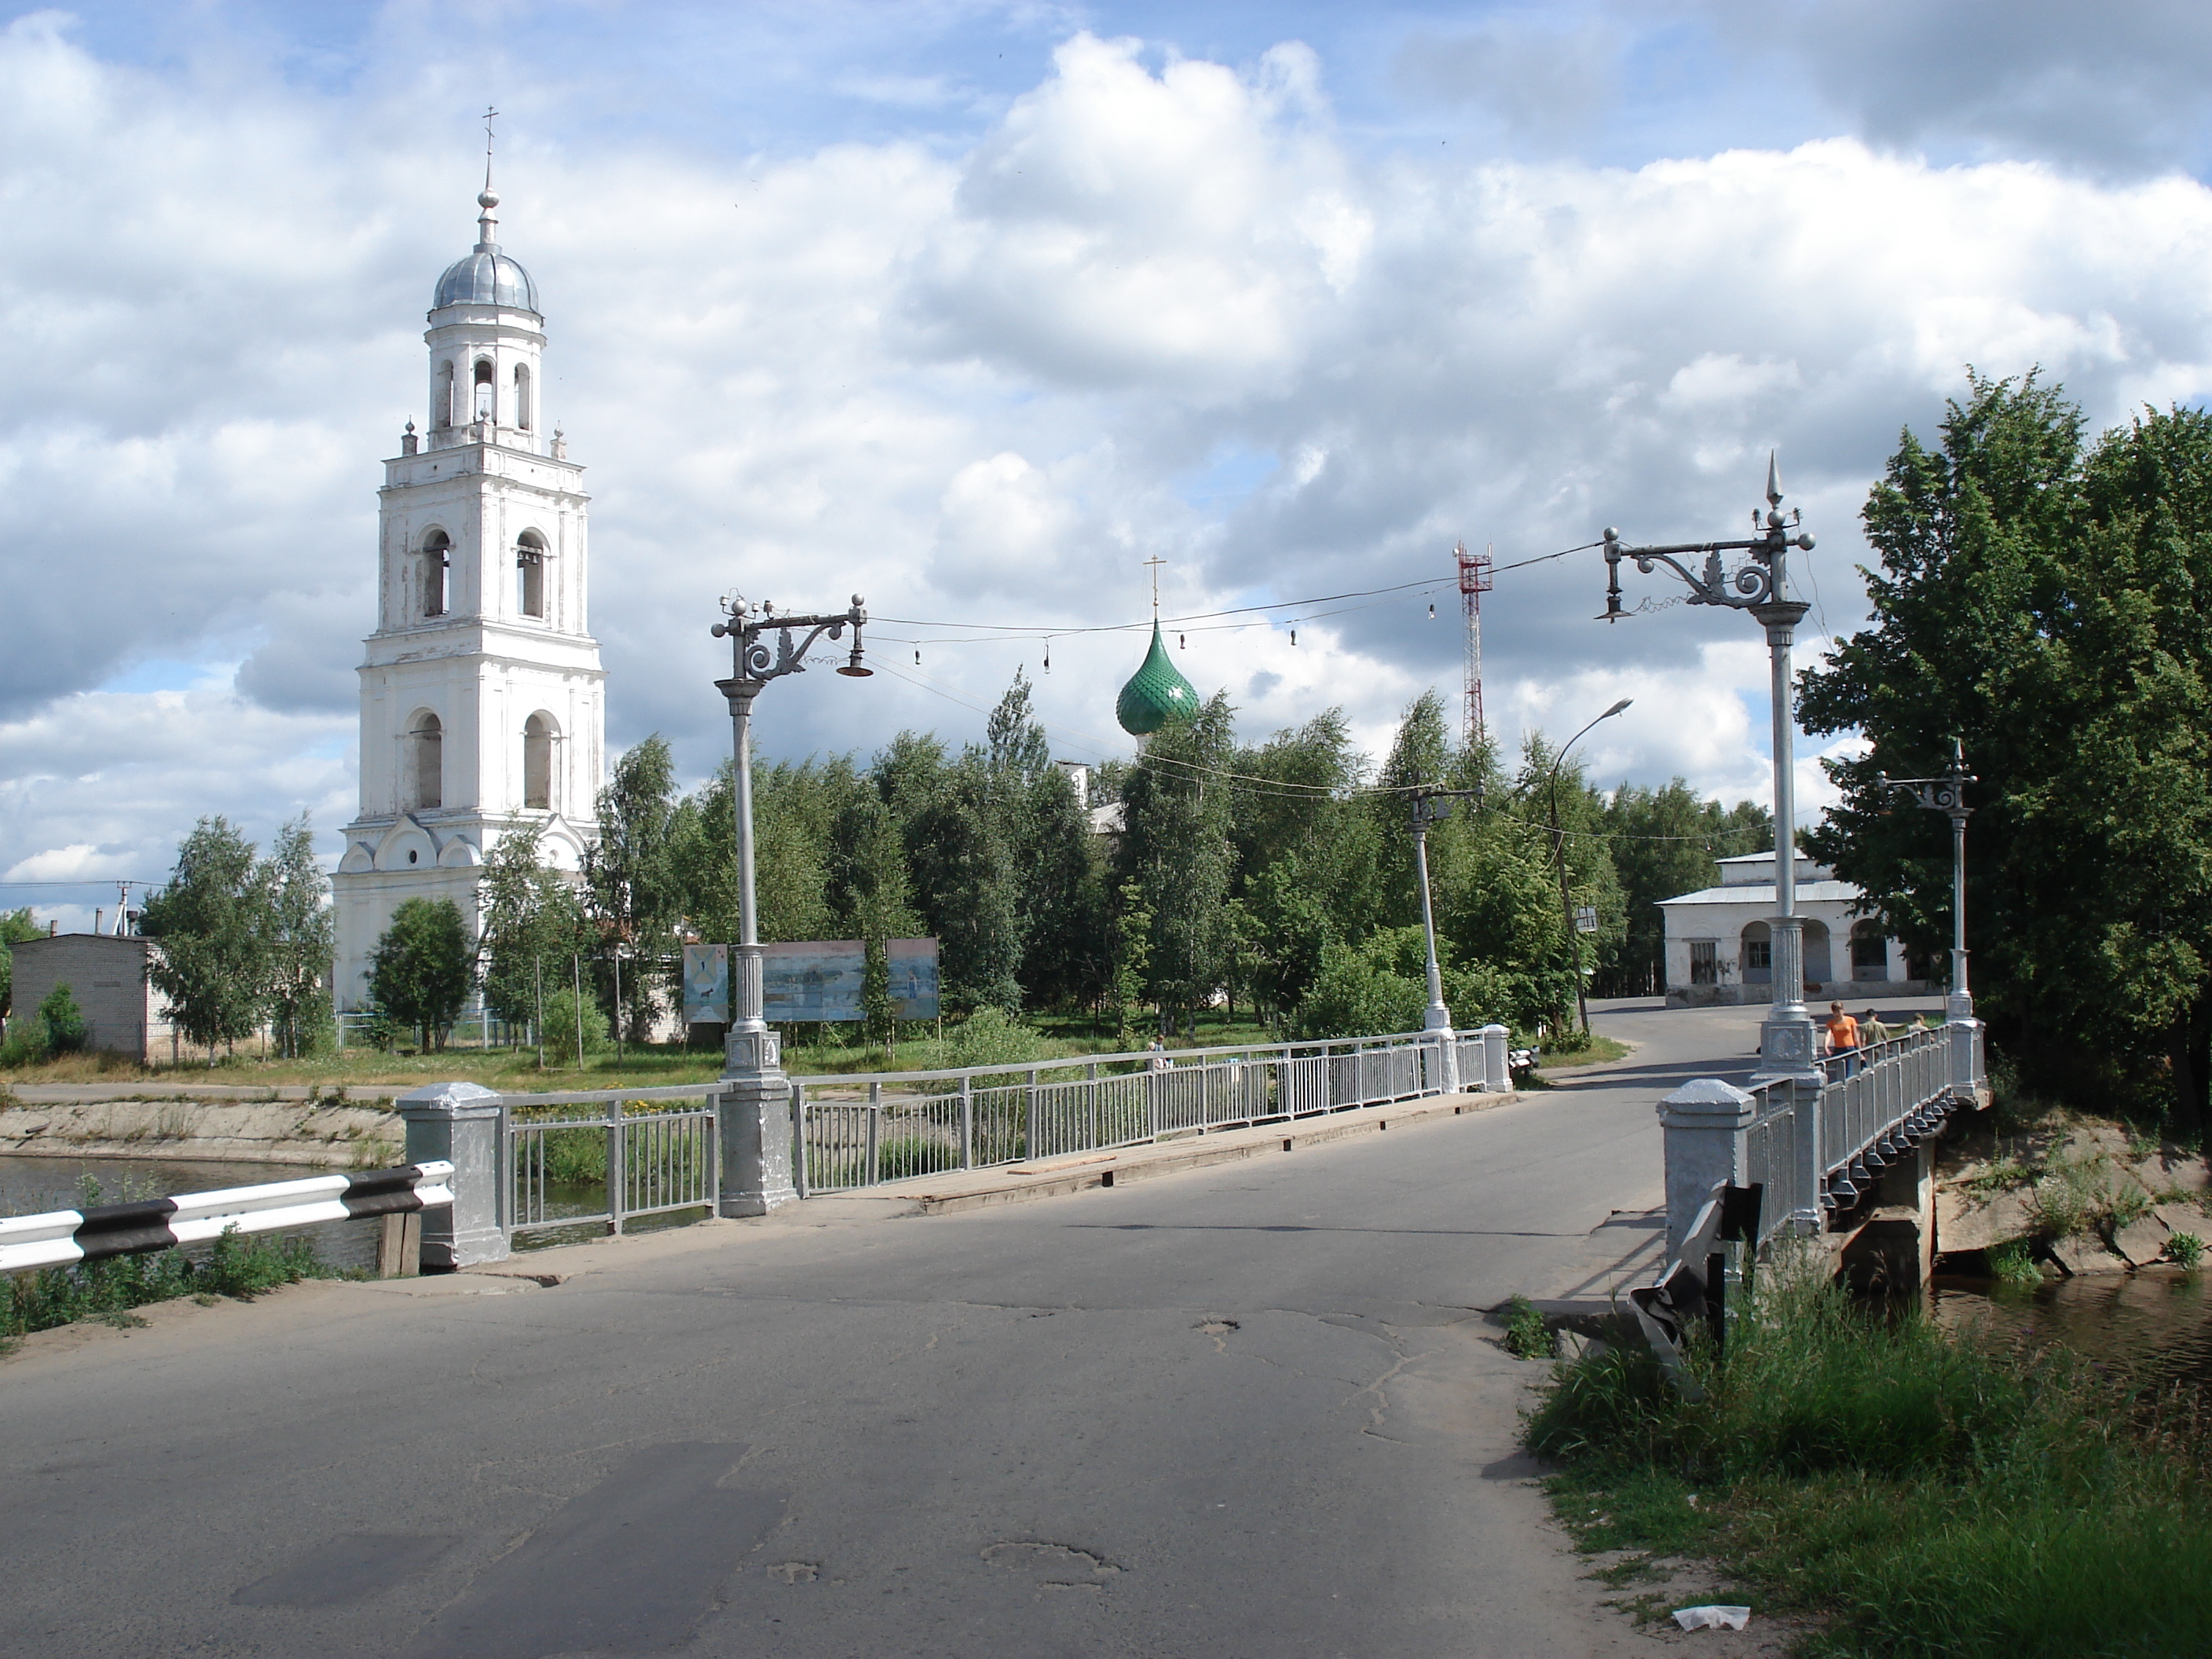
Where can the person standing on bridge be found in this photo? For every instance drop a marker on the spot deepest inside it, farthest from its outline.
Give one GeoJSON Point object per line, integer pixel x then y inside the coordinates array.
{"type": "Point", "coordinates": [1844, 1037]}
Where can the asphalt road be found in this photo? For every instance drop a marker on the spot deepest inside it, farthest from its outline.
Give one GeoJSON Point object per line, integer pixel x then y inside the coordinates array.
{"type": "Point", "coordinates": [1250, 1410]}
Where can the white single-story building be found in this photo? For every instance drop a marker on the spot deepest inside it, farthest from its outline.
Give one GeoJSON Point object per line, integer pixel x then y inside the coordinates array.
{"type": "Point", "coordinates": [1720, 945]}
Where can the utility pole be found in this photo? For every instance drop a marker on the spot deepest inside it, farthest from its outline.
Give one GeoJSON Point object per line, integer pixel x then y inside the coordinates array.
{"type": "Point", "coordinates": [1559, 856]}
{"type": "Point", "coordinates": [755, 1109]}
{"type": "Point", "coordinates": [1762, 587]}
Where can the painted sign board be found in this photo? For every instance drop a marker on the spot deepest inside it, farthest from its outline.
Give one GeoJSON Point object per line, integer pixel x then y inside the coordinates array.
{"type": "Point", "coordinates": [912, 963]}
{"type": "Point", "coordinates": [824, 979]}
{"type": "Point", "coordinates": [706, 984]}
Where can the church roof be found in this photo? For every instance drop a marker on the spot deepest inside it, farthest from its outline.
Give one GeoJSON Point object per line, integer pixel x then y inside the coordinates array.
{"type": "Point", "coordinates": [1156, 693]}
{"type": "Point", "coordinates": [485, 276]}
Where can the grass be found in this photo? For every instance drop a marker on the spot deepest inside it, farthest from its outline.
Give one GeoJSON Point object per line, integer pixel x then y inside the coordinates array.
{"type": "Point", "coordinates": [1916, 1494]}
{"type": "Point", "coordinates": [2185, 1250]}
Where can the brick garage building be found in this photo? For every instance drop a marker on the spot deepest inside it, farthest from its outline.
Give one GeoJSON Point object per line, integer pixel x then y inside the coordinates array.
{"type": "Point", "coordinates": [123, 1013]}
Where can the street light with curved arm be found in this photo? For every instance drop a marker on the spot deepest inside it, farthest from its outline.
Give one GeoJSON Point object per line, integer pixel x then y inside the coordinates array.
{"type": "Point", "coordinates": [1560, 855]}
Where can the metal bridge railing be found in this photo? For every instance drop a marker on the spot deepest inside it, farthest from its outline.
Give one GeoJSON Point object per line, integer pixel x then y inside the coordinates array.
{"type": "Point", "coordinates": [603, 1158]}
{"type": "Point", "coordinates": [1811, 1150]}
{"type": "Point", "coordinates": [861, 1129]}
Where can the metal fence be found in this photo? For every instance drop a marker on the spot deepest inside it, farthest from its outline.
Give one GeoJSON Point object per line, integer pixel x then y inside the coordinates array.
{"type": "Point", "coordinates": [601, 1159]}
{"type": "Point", "coordinates": [859, 1129]}
{"type": "Point", "coordinates": [604, 1158]}
{"type": "Point", "coordinates": [1813, 1150]}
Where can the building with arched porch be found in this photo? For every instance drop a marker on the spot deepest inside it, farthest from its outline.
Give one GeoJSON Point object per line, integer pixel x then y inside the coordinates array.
{"type": "Point", "coordinates": [1719, 939]}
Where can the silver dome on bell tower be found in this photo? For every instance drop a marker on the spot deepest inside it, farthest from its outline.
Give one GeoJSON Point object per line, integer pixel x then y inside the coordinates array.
{"type": "Point", "coordinates": [485, 276]}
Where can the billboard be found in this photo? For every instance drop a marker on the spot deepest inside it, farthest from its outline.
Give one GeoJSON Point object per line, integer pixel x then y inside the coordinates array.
{"type": "Point", "coordinates": [824, 979]}
{"type": "Point", "coordinates": [706, 984]}
{"type": "Point", "coordinates": [914, 977]}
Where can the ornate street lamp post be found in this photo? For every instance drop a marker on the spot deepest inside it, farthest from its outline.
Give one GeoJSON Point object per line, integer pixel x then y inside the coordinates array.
{"type": "Point", "coordinates": [755, 1107]}
{"type": "Point", "coordinates": [1428, 807]}
{"type": "Point", "coordinates": [1947, 795]}
{"type": "Point", "coordinates": [1762, 587]}
{"type": "Point", "coordinates": [1560, 855]}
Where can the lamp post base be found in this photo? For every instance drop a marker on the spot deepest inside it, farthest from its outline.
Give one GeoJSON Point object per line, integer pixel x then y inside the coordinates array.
{"type": "Point", "coordinates": [1785, 1048]}
{"type": "Point", "coordinates": [1437, 1023]}
{"type": "Point", "coordinates": [753, 1112]}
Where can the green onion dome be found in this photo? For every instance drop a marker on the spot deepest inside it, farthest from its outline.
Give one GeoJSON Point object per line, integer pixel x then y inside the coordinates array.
{"type": "Point", "coordinates": [1156, 693]}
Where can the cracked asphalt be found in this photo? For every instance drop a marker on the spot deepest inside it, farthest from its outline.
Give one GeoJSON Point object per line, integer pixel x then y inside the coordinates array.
{"type": "Point", "coordinates": [1254, 1409]}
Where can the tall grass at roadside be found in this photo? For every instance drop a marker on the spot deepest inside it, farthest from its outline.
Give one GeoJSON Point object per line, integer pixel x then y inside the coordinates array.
{"type": "Point", "coordinates": [1930, 1497]}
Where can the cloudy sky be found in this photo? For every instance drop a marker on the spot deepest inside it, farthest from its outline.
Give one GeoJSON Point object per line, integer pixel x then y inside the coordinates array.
{"type": "Point", "coordinates": [973, 308]}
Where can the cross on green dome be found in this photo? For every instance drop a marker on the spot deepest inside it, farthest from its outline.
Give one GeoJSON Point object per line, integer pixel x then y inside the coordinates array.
{"type": "Point", "coordinates": [1156, 693]}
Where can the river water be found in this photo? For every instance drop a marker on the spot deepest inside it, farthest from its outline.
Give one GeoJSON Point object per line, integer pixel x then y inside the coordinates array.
{"type": "Point", "coordinates": [2159, 1318]}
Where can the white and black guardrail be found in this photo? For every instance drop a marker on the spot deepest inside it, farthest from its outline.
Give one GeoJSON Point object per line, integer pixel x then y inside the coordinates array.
{"type": "Point", "coordinates": [61, 1237]}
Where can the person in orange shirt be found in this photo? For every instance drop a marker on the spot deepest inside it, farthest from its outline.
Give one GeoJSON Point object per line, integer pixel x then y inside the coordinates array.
{"type": "Point", "coordinates": [1844, 1037]}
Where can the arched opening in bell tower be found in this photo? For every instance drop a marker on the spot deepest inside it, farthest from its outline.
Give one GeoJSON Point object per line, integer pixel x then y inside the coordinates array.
{"type": "Point", "coordinates": [487, 394]}
{"type": "Point", "coordinates": [427, 744]}
{"type": "Point", "coordinates": [437, 564]}
{"type": "Point", "coordinates": [538, 733]}
{"type": "Point", "coordinates": [442, 416]}
{"type": "Point", "coordinates": [530, 575]}
{"type": "Point", "coordinates": [522, 397]}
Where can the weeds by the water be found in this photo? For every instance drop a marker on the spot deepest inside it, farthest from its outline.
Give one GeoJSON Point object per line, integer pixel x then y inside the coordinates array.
{"type": "Point", "coordinates": [1927, 1497]}
{"type": "Point", "coordinates": [2185, 1250]}
{"type": "Point", "coordinates": [109, 1288]}
{"type": "Point", "coordinates": [2013, 1263]}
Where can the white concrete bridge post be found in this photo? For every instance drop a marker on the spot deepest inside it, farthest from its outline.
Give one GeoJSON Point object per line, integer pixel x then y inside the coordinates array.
{"type": "Point", "coordinates": [1704, 1121]}
{"type": "Point", "coordinates": [1497, 1073]}
{"type": "Point", "coordinates": [465, 1125]}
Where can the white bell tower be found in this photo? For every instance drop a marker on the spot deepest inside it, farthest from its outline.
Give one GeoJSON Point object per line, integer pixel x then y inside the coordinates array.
{"type": "Point", "coordinates": [482, 696]}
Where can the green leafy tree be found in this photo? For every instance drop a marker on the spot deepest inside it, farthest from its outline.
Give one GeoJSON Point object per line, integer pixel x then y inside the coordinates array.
{"type": "Point", "coordinates": [532, 926]}
{"type": "Point", "coordinates": [214, 924]}
{"type": "Point", "coordinates": [1132, 958]}
{"type": "Point", "coordinates": [963, 857]}
{"type": "Point", "coordinates": [873, 898]}
{"type": "Point", "coordinates": [2043, 601]}
{"type": "Point", "coordinates": [15, 927]}
{"type": "Point", "coordinates": [300, 941]}
{"type": "Point", "coordinates": [631, 878]}
{"type": "Point", "coordinates": [420, 970]}
{"type": "Point", "coordinates": [1175, 846]}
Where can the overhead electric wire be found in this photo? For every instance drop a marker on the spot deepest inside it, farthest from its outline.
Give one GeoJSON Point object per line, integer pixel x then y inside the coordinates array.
{"type": "Point", "coordinates": [1189, 623]}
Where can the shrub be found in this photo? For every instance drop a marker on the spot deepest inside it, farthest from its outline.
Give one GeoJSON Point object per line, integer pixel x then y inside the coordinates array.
{"type": "Point", "coordinates": [991, 1036]}
{"type": "Point", "coordinates": [62, 1021]}
{"type": "Point", "coordinates": [562, 1010]}
{"type": "Point", "coordinates": [2185, 1250]}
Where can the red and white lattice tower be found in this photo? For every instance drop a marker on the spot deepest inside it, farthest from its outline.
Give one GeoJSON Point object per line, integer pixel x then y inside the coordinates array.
{"type": "Point", "coordinates": [1474, 583]}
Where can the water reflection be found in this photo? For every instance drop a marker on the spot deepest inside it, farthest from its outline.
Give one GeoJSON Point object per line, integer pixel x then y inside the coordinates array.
{"type": "Point", "coordinates": [2159, 1317]}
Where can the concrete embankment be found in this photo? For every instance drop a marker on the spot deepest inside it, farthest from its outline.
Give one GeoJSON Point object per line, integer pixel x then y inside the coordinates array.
{"type": "Point", "coordinates": [286, 1132]}
{"type": "Point", "coordinates": [2078, 1192]}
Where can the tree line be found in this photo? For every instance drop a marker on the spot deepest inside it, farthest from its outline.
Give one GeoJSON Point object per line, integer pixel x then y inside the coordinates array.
{"type": "Point", "coordinates": [1276, 875]}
